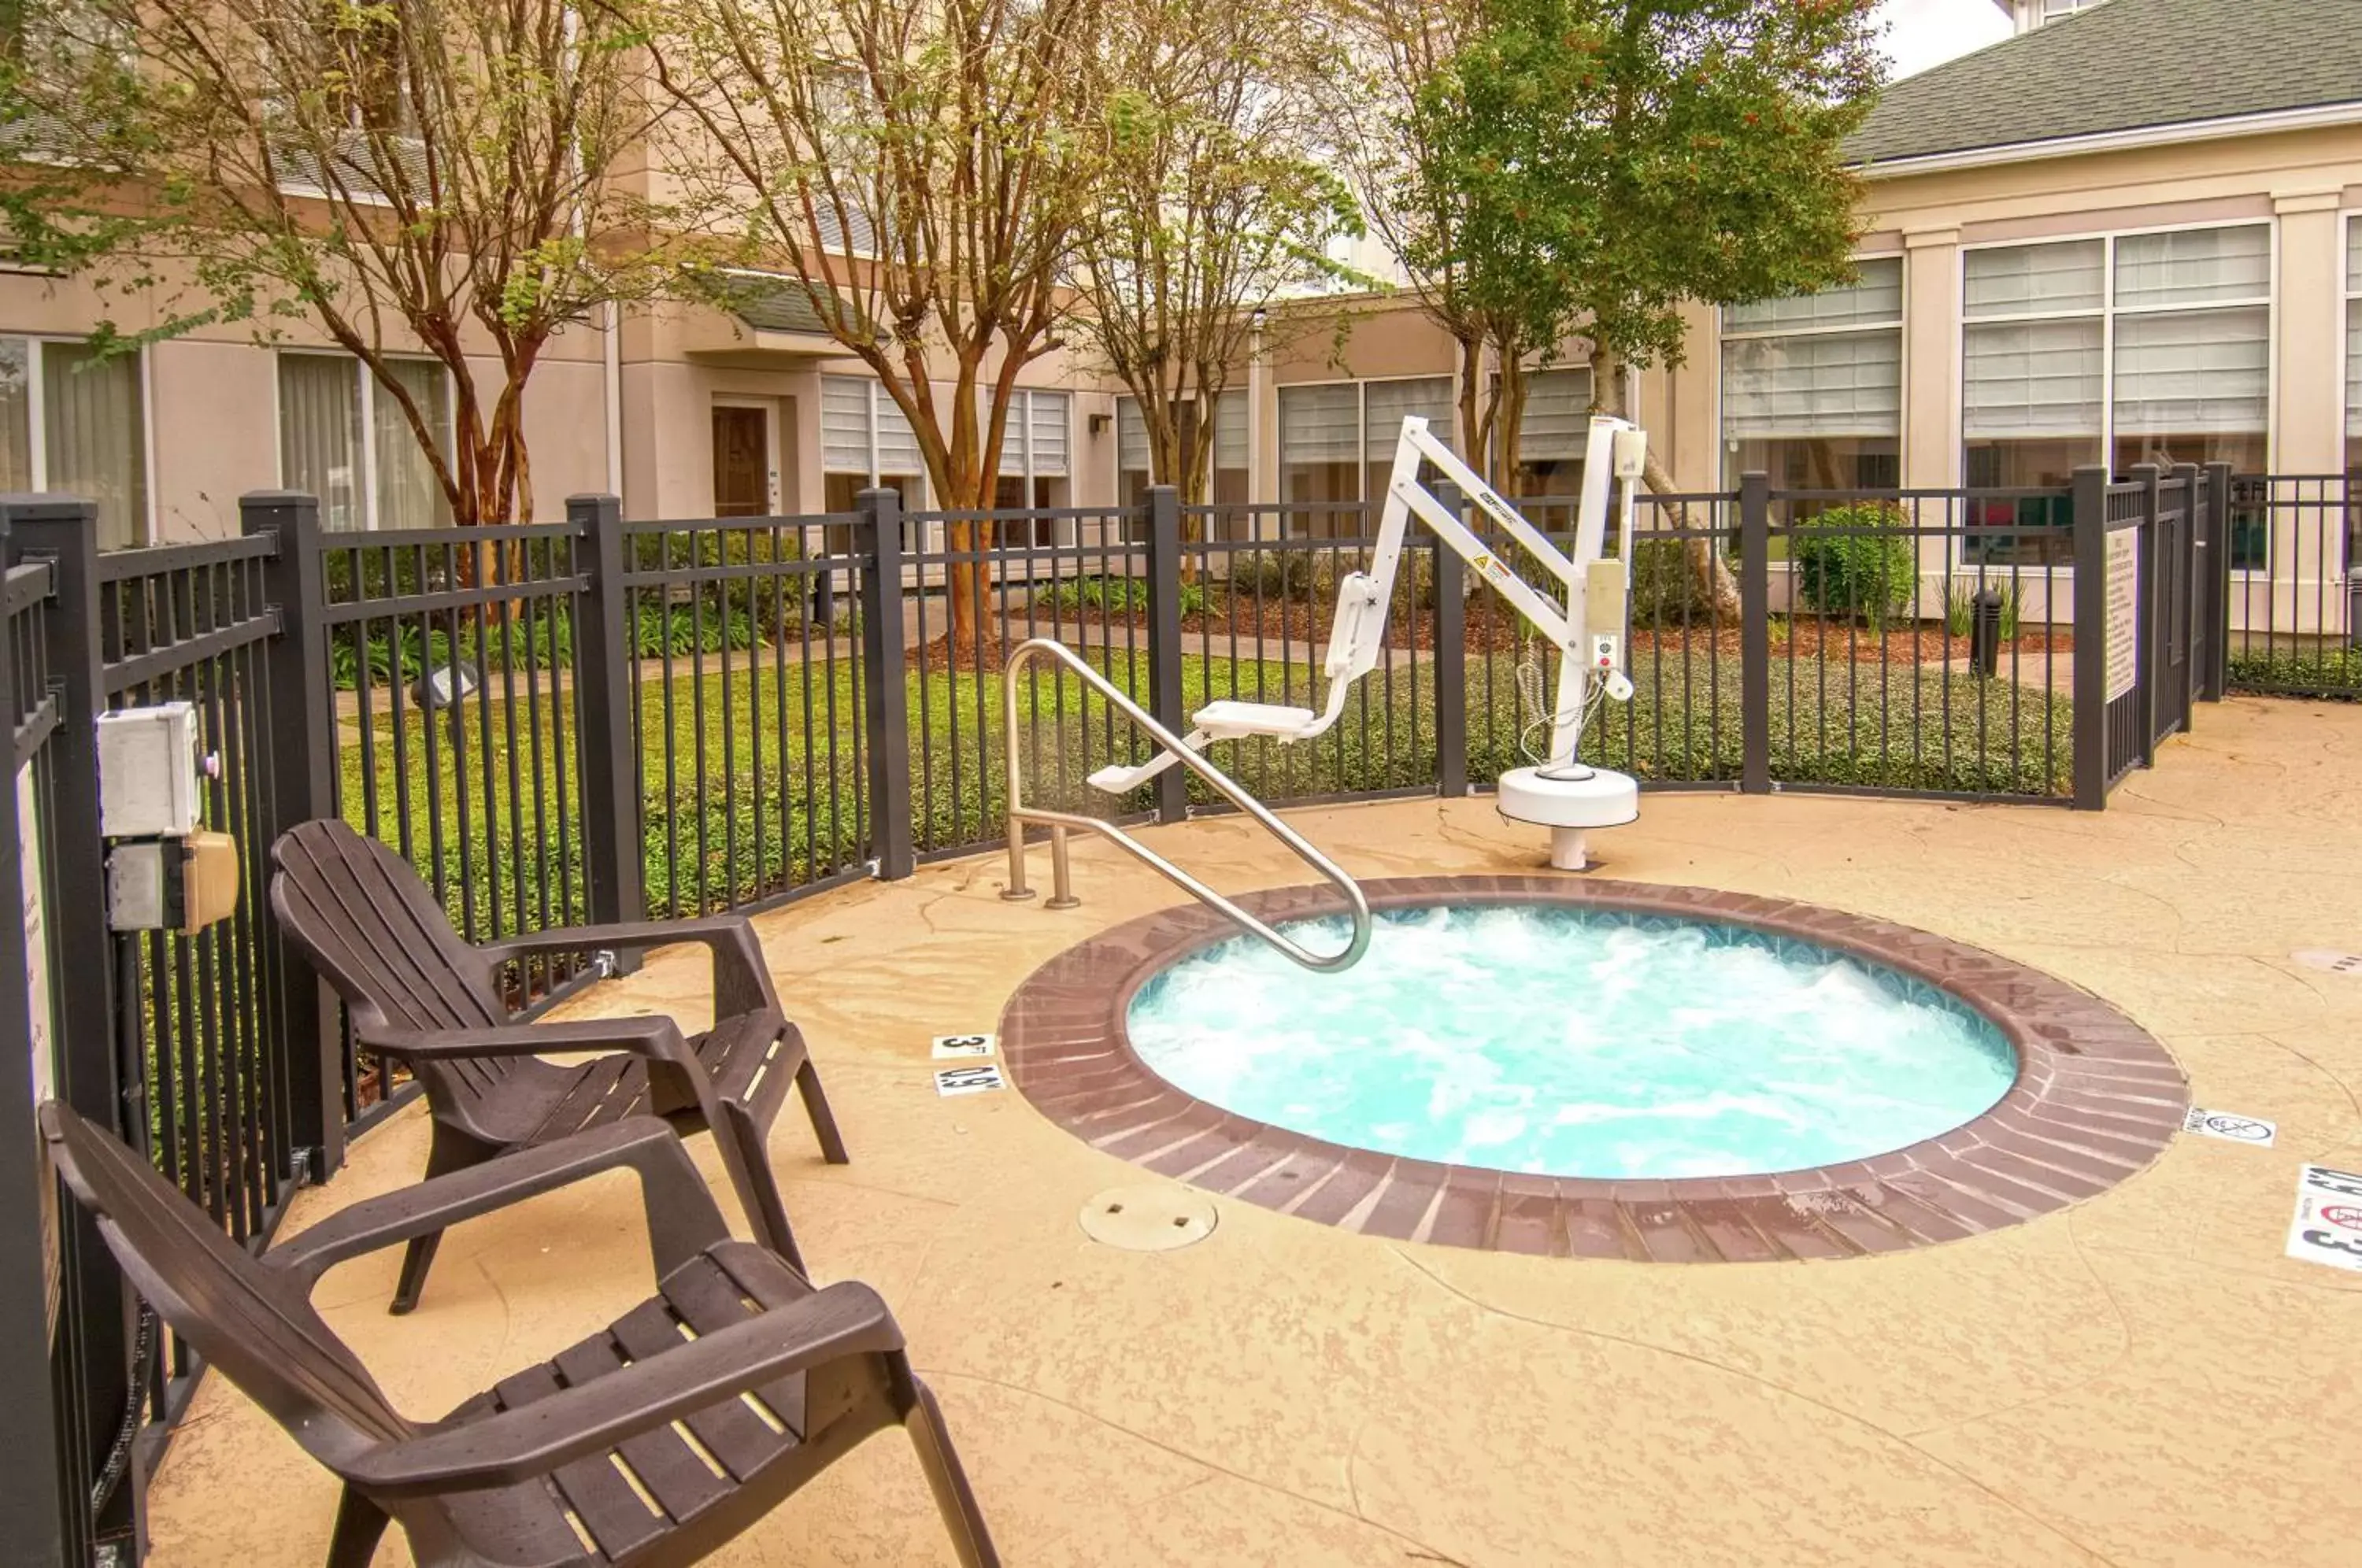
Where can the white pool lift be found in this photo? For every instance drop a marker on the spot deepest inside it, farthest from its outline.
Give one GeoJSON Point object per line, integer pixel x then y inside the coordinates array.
{"type": "Point", "coordinates": [1580, 612]}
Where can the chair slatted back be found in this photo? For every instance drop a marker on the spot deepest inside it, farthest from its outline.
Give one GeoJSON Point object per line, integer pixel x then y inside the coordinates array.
{"type": "Point", "coordinates": [374, 930]}
{"type": "Point", "coordinates": [252, 1323]}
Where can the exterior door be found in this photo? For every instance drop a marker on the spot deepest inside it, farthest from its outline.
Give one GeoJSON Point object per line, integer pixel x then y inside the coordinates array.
{"type": "Point", "coordinates": [742, 461]}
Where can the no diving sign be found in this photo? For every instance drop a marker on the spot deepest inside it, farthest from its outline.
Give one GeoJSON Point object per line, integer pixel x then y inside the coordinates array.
{"type": "Point", "coordinates": [2328, 1224]}
{"type": "Point", "coordinates": [2231, 1129]}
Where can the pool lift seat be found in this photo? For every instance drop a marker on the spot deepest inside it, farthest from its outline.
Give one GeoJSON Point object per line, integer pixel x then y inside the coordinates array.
{"type": "Point", "coordinates": [1559, 792]}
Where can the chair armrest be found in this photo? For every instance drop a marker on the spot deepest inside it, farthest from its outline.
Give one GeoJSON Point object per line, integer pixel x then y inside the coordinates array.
{"type": "Point", "coordinates": [846, 1319]}
{"type": "Point", "coordinates": [682, 1218]}
{"type": "Point", "coordinates": [742, 982]}
{"type": "Point", "coordinates": [648, 1034]}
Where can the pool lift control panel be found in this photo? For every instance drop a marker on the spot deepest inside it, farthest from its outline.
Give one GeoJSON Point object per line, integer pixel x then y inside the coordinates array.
{"type": "Point", "coordinates": [1579, 611]}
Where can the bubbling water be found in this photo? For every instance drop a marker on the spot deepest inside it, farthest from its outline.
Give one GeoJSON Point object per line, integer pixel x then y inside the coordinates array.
{"type": "Point", "coordinates": [1577, 1042]}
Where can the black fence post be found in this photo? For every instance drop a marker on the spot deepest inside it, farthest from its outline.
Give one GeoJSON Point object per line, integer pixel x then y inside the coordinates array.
{"type": "Point", "coordinates": [303, 767]}
{"type": "Point", "coordinates": [2148, 637]}
{"type": "Point", "coordinates": [614, 847]}
{"type": "Point", "coordinates": [2181, 608]}
{"type": "Point", "coordinates": [2091, 604]}
{"type": "Point", "coordinates": [885, 700]}
{"type": "Point", "coordinates": [32, 1494]}
{"type": "Point", "coordinates": [2215, 566]}
{"type": "Point", "coordinates": [1450, 587]}
{"type": "Point", "coordinates": [1165, 698]}
{"type": "Point", "coordinates": [1755, 634]}
{"type": "Point", "coordinates": [100, 1072]}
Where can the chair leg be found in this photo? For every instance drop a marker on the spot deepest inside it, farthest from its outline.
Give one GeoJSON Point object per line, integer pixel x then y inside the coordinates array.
{"type": "Point", "coordinates": [360, 1525]}
{"type": "Point", "coordinates": [824, 1121]}
{"type": "Point", "coordinates": [749, 1164]}
{"type": "Point", "coordinates": [446, 1154]}
{"type": "Point", "coordinates": [954, 1499]}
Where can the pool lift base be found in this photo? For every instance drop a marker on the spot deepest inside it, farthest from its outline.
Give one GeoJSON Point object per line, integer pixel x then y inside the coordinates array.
{"type": "Point", "coordinates": [1570, 801]}
{"type": "Point", "coordinates": [1585, 590]}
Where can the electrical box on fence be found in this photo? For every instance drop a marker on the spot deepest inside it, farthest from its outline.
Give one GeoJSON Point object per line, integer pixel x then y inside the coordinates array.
{"type": "Point", "coordinates": [148, 772]}
{"type": "Point", "coordinates": [181, 884]}
{"type": "Point", "coordinates": [163, 873]}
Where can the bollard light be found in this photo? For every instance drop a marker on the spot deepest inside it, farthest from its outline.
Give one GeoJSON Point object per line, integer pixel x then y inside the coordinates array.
{"type": "Point", "coordinates": [1984, 632]}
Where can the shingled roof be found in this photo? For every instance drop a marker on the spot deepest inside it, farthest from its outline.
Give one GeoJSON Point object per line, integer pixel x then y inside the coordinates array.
{"type": "Point", "coordinates": [772, 303]}
{"type": "Point", "coordinates": [2125, 65]}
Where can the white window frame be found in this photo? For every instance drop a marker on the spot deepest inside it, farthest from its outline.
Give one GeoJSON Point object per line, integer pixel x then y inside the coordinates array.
{"type": "Point", "coordinates": [1899, 326]}
{"type": "Point", "coordinates": [368, 419]}
{"type": "Point", "coordinates": [2108, 311]}
{"type": "Point", "coordinates": [2349, 306]}
{"type": "Point", "coordinates": [37, 413]}
{"type": "Point", "coordinates": [1361, 385]}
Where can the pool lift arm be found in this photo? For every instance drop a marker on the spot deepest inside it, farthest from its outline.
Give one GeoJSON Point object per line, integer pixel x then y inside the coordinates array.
{"type": "Point", "coordinates": [1586, 628]}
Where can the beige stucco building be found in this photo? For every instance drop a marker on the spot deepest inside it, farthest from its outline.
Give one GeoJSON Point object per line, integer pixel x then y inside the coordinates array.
{"type": "Point", "coordinates": [2132, 233]}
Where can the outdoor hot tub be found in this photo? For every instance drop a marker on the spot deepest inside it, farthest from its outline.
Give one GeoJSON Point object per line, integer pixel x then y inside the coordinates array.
{"type": "Point", "coordinates": [1546, 1065]}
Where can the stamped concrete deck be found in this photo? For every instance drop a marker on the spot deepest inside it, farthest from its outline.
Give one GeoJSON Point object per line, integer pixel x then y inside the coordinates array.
{"type": "Point", "coordinates": [2139, 1379]}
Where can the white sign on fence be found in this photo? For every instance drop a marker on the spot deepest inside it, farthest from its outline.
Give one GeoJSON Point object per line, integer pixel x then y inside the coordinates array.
{"type": "Point", "coordinates": [2124, 610]}
{"type": "Point", "coordinates": [2328, 1224]}
{"type": "Point", "coordinates": [37, 1012]}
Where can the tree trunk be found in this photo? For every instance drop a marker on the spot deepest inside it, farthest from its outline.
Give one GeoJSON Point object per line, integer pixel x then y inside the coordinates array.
{"type": "Point", "coordinates": [1714, 578]}
{"type": "Point", "coordinates": [1472, 399]}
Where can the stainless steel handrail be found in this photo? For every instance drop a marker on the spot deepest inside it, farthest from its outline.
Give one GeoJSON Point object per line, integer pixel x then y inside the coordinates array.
{"type": "Point", "coordinates": [1059, 823]}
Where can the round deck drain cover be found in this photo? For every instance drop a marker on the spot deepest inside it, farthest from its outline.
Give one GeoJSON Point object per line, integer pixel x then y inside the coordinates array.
{"type": "Point", "coordinates": [2329, 959]}
{"type": "Point", "coordinates": [1150, 1218]}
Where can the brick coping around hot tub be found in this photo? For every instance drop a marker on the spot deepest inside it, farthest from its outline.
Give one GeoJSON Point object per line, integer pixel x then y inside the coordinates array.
{"type": "Point", "coordinates": [2095, 1100]}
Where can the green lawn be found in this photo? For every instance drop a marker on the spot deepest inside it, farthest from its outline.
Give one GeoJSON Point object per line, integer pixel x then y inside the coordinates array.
{"type": "Point", "coordinates": [740, 803]}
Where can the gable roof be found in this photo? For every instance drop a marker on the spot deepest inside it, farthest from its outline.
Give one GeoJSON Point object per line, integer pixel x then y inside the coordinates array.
{"type": "Point", "coordinates": [2122, 66]}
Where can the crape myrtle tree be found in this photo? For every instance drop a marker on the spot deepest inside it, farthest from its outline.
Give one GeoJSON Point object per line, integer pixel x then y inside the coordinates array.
{"type": "Point", "coordinates": [922, 172]}
{"type": "Point", "coordinates": [408, 176]}
{"type": "Point", "coordinates": [1219, 194]}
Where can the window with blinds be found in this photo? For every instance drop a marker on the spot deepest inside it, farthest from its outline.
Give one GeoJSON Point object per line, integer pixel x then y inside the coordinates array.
{"type": "Point", "coordinates": [1810, 367]}
{"type": "Point", "coordinates": [1875, 296]}
{"type": "Point", "coordinates": [863, 431]}
{"type": "Point", "coordinates": [1834, 384]}
{"type": "Point", "coordinates": [2125, 350]}
{"type": "Point", "coordinates": [2200, 372]}
{"type": "Point", "coordinates": [2034, 379]}
{"type": "Point", "coordinates": [1033, 440]}
{"type": "Point", "coordinates": [1385, 403]}
{"type": "Point", "coordinates": [1557, 415]}
{"type": "Point", "coordinates": [1320, 424]}
{"type": "Point", "coordinates": [1134, 466]}
{"type": "Point", "coordinates": [2354, 342]}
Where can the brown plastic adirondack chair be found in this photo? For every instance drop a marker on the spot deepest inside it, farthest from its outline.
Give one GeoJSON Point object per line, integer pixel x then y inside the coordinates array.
{"type": "Point", "coordinates": [418, 993]}
{"type": "Point", "coordinates": [580, 1461]}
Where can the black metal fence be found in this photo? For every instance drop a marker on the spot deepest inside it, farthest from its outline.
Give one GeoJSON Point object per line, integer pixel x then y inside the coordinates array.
{"type": "Point", "coordinates": [597, 719]}
{"type": "Point", "coordinates": [2293, 584]}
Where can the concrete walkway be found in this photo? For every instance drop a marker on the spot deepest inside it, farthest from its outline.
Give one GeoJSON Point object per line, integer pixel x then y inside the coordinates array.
{"type": "Point", "coordinates": [2142, 1380]}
